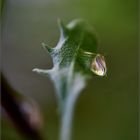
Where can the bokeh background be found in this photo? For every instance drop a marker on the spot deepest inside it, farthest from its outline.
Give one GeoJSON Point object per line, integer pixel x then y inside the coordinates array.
{"type": "Point", "coordinates": [108, 108]}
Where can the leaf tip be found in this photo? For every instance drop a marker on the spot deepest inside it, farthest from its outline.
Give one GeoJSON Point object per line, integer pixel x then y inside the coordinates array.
{"type": "Point", "coordinates": [41, 71]}
{"type": "Point", "coordinates": [47, 47]}
{"type": "Point", "coordinates": [62, 27]}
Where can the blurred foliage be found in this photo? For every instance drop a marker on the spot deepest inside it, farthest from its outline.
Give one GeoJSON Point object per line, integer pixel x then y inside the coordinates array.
{"type": "Point", "coordinates": [1, 5]}
{"type": "Point", "coordinates": [21, 111]}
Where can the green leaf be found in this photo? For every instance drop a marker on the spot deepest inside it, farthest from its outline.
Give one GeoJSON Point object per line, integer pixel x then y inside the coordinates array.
{"type": "Point", "coordinates": [75, 59]}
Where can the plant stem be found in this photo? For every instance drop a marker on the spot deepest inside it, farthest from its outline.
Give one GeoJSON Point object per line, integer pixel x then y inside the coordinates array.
{"type": "Point", "coordinates": [67, 116]}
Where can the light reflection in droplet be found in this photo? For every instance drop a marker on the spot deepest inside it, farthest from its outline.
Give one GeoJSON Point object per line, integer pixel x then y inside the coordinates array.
{"type": "Point", "coordinates": [98, 65]}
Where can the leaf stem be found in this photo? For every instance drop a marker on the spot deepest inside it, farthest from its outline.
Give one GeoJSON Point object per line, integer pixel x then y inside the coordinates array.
{"type": "Point", "coordinates": [67, 117]}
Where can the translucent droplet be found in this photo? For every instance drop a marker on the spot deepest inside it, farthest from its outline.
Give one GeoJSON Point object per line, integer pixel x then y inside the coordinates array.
{"type": "Point", "coordinates": [98, 65]}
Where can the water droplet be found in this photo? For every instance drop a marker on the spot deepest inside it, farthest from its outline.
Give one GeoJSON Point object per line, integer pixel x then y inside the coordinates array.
{"type": "Point", "coordinates": [98, 65]}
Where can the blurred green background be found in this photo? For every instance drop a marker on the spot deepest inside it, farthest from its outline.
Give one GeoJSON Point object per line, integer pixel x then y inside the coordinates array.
{"type": "Point", "coordinates": [108, 108]}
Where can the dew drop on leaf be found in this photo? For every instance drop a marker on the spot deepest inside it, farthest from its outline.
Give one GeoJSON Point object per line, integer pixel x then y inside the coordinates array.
{"type": "Point", "coordinates": [98, 65]}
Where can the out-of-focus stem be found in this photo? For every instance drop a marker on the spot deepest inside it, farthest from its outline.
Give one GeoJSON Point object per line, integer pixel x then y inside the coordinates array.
{"type": "Point", "coordinates": [11, 103]}
{"type": "Point", "coordinates": [67, 117]}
